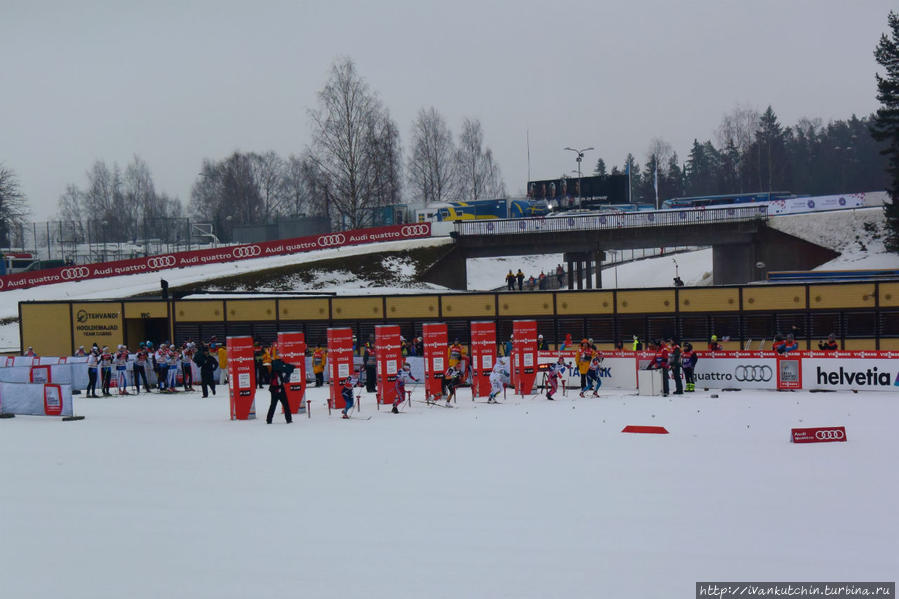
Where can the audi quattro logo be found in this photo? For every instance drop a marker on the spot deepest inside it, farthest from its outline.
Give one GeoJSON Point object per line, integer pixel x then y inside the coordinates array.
{"type": "Point", "coordinates": [246, 251]}
{"type": "Point", "coordinates": [330, 240]}
{"type": "Point", "coordinates": [413, 230]}
{"type": "Point", "coordinates": [753, 374]}
{"type": "Point", "coordinates": [831, 435]}
{"type": "Point", "coordinates": [74, 272]}
{"type": "Point", "coordinates": [157, 262]}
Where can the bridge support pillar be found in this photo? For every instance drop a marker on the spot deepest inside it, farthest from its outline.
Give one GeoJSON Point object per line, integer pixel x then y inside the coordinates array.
{"type": "Point", "coordinates": [570, 272]}
{"type": "Point", "coordinates": [579, 276]}
{"type": "Point", "coordinates": [589, 273]}
{"type": "Point", "coordinates": [733, 263]}
{"type": "Point", "coordinates": [599, 258]}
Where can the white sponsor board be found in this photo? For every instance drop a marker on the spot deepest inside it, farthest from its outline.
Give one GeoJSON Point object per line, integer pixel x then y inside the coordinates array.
{"type": "Point", "coordinates": [736, 373]}
{"type": "Point", "coordinates": [28, 399]}
{"type": "Point", "coordinates": [614, 373]}
{"type": "Point", "coordinates": [843, 374]}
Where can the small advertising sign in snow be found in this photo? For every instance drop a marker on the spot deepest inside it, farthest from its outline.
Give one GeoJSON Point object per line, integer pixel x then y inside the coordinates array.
{"type": "Point", "coordinates": [827, 434]}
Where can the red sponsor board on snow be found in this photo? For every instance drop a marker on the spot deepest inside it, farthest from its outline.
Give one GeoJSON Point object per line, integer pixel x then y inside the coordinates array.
{"type": "Point", "coordinates": [340, 361]}
{"type": "Point", "coordinates": [241, 377]}
{"type": "Point", "coordinates": [483, 356]}
{"type": "Point", "coordinates": [825, 434]}
{"type": "Point", "coordinates": [281, 247]}
{"type": "Point", "coordinates": [390, 359]}
{"type": "Point", "coordinates": [292, 350]}
{"type": "Point", "coordinates": [434, 337]}
{"type": "Point", "coordinates": [524, 355]}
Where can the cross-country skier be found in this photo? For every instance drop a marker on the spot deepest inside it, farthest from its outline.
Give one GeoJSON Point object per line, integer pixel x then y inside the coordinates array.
{"type": "Point", "coordinates": [160, 358]}
{"type": "Point", "coordinates": [105, 369]}
{"type": "Point", "coordinates": [401, 377]}
{"type": "Point", "coordinates": [172, 359]}
{"type": "Point", "coordinates": [498, 377]}
{"type": "Point", "coordinates": [593, 381]}
{"type": "Point", "coordinates": [347, 392]}
{"type": "Point", "coordinates": [121, 368]}
{"type": "Point", "coordinates": [451, 379]}
{"type": "Point", "coordinates": [93, 359]}
{"type": "Point", "coordinates": [553, 374]}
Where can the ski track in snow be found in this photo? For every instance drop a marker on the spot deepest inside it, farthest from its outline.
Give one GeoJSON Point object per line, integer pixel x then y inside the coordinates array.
{"type": "Point", "coordinates": [155, 496]}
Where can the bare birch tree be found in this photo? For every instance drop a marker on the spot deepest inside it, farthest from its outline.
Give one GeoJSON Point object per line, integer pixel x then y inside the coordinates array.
{"type": "Point", "coordinates": [431, 165]}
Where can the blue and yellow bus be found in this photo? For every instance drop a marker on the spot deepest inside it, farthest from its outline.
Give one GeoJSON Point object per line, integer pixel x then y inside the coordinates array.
{"type": "Point", "coordinates": [487, 209]}
{"type": "Point", "coordinates": [734, 198]}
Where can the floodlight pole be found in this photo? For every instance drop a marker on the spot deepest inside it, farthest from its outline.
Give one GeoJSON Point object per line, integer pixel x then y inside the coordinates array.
{"type": "Point", "coordinates": [580, 157]}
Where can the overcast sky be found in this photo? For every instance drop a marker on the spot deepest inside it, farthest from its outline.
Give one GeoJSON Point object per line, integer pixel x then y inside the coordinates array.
{"type": "Point", "coordinates": [176, 82]}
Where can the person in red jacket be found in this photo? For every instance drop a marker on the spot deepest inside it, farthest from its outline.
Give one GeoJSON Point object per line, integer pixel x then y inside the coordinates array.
{"type": "Point", "coordinates": [660, 361]}
{"type": "Point", "coordinates": [714, 345]}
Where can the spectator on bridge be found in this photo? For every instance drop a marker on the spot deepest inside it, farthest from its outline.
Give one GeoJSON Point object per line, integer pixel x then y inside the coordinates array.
{"type": "Point", "coordinates": [541, 280]}
{"type": "Point", "coordinates": [830, 344]}
{"type": "Point", "coordinates": [519, 276]}
{"type": "Point", "coordinates": [510, 280]}
{"type": "Point", "coordinates": [532, 282]}
{"type": "Point", "coordinates": [560, 274]}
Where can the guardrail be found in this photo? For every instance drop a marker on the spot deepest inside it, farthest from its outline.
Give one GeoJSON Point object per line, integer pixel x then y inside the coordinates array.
{"type": "Point", "coordinates": [624, 220]}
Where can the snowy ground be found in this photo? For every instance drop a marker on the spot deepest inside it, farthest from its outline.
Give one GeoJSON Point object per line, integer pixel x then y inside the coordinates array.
{"type": "Point", "coordinates": [165, 497]}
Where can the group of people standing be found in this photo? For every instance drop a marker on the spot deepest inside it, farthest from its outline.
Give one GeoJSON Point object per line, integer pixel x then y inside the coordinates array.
{"type": "Point", "coordinates": [541, 281]}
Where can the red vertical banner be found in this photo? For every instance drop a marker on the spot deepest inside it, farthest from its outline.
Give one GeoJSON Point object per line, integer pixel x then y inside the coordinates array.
{"type": "Point", "coordinates": [340, 362]}
{"type": "Point", "coordinates": [434, 339]}
{"type": "Point", "coordinates": [524, 355]}
{"type": "Point", "coordinates": [789, 371]}
{"type": "Point", "coordinates": [390, 359]}
{"type": "Point", "coordinates": [292, 350]}
{"type": "Point", "coordinates": [241, 378]}
{"type": "Point", "coordinates": [52, 400]}
{"type": "Point", "coordinates": [483, 356]}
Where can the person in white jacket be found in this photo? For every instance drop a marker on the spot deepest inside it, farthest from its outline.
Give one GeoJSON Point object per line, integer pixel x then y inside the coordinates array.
{"type": "Point", "coordinates": [499, 376]}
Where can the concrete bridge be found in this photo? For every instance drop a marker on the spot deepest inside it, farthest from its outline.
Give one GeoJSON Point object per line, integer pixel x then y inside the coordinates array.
{"type": "Point", "coordinates": [739, 236]}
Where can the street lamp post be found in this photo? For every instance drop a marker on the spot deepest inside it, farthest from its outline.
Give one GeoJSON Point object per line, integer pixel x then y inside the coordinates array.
{"type": "Point", "coordinates": [580, 157]}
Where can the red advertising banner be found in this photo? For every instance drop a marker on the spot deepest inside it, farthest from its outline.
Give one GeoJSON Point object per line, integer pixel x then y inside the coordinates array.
{"type": "Point", "coordinates": [40, 374]}
{"type": "Point", "coordinates": [524, 355]}
{"type": "Point", "coordinates": [241, 378]}
{"type": "Point", "coordinates": [789, 371]}
{"type": "Point", "coordinates": [826, 434]}
{"type": "Point", "coordinates": [281, 247]}
{"type": "Point", "coordinates": [483, 356]}
{"type": "Point", "coordinates": [434, 337]}
{"type": "Point", "coordinates": [52, 400]}
{"type": "Point", "coordinates": [390, 359]}
{"type": "Point", "coordinates": [292, 350]}
{"type": "Point", "coordinates": [340, 362]}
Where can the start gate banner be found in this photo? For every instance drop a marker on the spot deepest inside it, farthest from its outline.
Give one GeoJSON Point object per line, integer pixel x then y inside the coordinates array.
{"type": "Point", "coordinates": [241, 377]}
{"type": "Point", "coordinates": [390, 359]}
{"type": "Point", "coordinates": [483, 356]}
{"type": "Point", "coordinates": [434, 337]}
{"type": "Point", "coordinates": [340, 362]}
{"type": "Point", "coordinates": [524, 355]}
{"type": "Point", "coordinates": [292, 350]}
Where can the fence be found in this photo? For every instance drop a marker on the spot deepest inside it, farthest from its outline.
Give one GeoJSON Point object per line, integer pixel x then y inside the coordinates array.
{"type": "Point", "coordinates": [624, 220]}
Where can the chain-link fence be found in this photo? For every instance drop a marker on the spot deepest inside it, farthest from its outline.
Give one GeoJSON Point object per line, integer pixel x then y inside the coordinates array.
{"type": "Point", "coordinates": [58, 242]}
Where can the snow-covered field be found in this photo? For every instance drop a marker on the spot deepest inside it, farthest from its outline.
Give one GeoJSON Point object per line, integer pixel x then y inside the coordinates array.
{"type": "Point", "coordinates": [156, 496]}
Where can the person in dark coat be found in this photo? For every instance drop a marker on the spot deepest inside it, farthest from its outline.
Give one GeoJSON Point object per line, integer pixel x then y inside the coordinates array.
{"type": "Point", "coordinates": [276, 387]}
{"type": "Point", "coordinates": [371, 373]}
{"type": "Point", "coordinates": [207, 364]}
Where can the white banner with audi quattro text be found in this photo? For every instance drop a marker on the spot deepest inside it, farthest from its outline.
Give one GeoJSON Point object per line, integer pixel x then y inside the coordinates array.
{"type": "Point", "coordinates": [851, 371]}
{"type": "Point", "coordinates": [736, 370]}
{"type": "Point", "coordinates": [33, 399]}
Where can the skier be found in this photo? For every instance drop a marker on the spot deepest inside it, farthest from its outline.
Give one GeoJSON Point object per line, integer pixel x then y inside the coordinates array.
{"type": "Point", "coordinates": [369, 359]}
{"type": "Point", "coordinates": [401, 376]}
{"type": "Point", "coordinates": [347, 393]}
{"type": "Point", "coordinates": [319, 358]}
{"type": "Point", "coordinates": [172, 360]}
{"type": "Point", "coordinates": [121, 368]}
{"type": "Point", "coordinates": [93, 359]}
{"type": "Point", "coordinates": [593, 380]}
{"type": "Point", "coordinates": [159, 359]}
{"type": "Point", "coordinates": [455, 353]}
{"type": "Point", "coordinates": [187, 372]}
{"type": "Point", "coordinates": [451, 379]}
{"type": "Point", "coordinates": [498, 376]}
{"type": "Point", "coordinates": [553, 374]}
{"type": "Point", "coordinates": [139, 369]}
{"type": "Point", "coordinates": [689, 359]}
{"type": "Point", "coordinates": [105, 369]}
{"type": "Point", "coordinates": [675, 361]}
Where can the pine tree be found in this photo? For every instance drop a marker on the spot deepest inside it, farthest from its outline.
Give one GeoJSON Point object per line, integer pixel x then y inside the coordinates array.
{"type": "Point", "coordinates": [886, 121]}
{"type": "Point", "coordinates": [600, 170]}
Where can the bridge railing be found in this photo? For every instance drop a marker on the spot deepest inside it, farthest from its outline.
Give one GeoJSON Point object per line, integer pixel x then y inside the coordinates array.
{"type": "Point", "coordinates": [623, 220]}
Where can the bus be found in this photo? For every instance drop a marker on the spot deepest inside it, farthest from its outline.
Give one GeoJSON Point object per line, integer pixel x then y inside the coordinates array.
{"type": "Point", "coordinates": [482, 209]}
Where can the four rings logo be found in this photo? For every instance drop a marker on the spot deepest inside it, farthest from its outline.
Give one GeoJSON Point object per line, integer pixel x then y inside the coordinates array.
{"type": "Point", "coordinates": [328, 240]}
{"type": "Point", "coordinates": [750, 374]}
{"type": "Point", "coordinates": [74, 272]}
{"type": "Point", "coordinates": [829, 435]}
{"type": "Point", "coordinates": [246, 251]}
{"type": "Point", "coordinates": [161, 262]}
{"type": "Point", "coordinates": [413, 230]}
